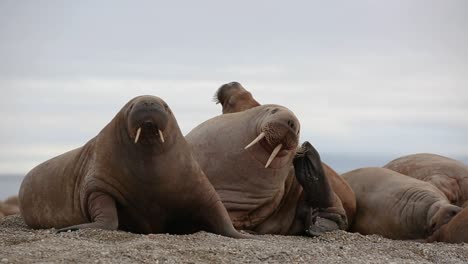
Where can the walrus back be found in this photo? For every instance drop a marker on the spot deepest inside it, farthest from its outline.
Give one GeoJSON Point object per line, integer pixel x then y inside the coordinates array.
{"type": "Point", "coordinates": [49, 193]}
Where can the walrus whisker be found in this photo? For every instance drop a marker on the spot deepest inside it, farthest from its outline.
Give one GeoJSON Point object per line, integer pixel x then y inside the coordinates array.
{"type": "Point", "coordinates": [262, 135]}
{"type": "Point", "coordinates": [273, 155]}
{"type": "Point", "coordinates": [137, 135]}
{"type": "Point", "coordinates": [161, 135]}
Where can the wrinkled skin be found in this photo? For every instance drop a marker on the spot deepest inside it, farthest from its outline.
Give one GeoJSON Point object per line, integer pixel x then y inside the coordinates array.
{"type": "Point", "coordinates": [234, 98]}
{"type": "Point", "coordinates": [263, 200]}
{"type": "Point", "coordinates": [396, 206]}
{"type": "Point", "coordinates": [9, 207]}
{"type": "Point", "coordinates": [455, 231]}
{"type": "Point", "coordinates": [449, 175]}
{"type": "Point", "coordinates": [259, 199]}
{"type": "Point", "coordinates": [137, 174]}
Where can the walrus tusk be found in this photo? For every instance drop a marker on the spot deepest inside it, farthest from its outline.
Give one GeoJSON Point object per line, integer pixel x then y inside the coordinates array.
{"type": "Point", "coordinates": [161, 136]}
{"type": "Point", "coordinates": [262, 135]}
{"type": "Point", "coordinates": [137, 135]}
{"type": "Point", "coordinates": [273, 155]}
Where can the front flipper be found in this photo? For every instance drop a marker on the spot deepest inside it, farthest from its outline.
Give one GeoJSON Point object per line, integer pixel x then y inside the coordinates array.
{"type": "Point", "coordinates": [310, 174]}
{"type": "Point", "coordinates": [217, 220]}
{"type": "Point", "coordinates": [321, 215]}
{"type": "Point", "coordinates": [103, 213]}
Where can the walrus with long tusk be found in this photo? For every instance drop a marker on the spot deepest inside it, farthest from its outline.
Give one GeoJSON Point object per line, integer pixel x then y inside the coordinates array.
{"type": "Point", "coordinates": [235, 98]}
{"type": "Point", "coordinates": [138, 174]}
{"type": "Point", "coordinates": [396, 206]}
{"type": "Point", "coordinates": [449, 175]}
{"type": "Point", "coordinates": [248, 157]}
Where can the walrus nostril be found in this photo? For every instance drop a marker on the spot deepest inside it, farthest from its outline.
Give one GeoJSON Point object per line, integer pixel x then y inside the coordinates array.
{"type": "Point", "coordinates": [291, 124]}
{"type": "Point", "coordinates": [148, 124]}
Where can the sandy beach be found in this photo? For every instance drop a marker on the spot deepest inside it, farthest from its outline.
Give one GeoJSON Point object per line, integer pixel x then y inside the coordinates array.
{"type": "Point", "coordinates": [20, 244]}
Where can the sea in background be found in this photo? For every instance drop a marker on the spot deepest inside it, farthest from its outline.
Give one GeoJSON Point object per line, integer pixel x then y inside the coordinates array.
{"type": "Point", "coordinates": [10, 183]}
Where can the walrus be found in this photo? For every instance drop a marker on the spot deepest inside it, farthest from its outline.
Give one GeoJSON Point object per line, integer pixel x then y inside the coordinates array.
{"type": "Point", "coordinates": [9, 206]}
{"type": "Point", "coordinates": [233, 98]}
{"type": "Point", "coordinates": [248, 157]}
{"type": "Point", "coordinates": [455, 231]}
{"type": "Point", "coordinates": [138, 174]}
{"type": "Point", "coordinates": [449, 175]}
{"type": "Point", "coordinates": [396, 206]}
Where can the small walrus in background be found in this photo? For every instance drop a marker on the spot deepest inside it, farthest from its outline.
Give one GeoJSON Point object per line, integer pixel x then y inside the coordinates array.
{"type": "Point", "coordinates": [397, 206]}
{"type": "Point", "coordinates": [137, 175]}
{"type": "Point", "coordinates": [449, 175]}
{"type": "Point", "coordinates": [9, 207]}
{"type": "Point", "coordinates": [248, 155]}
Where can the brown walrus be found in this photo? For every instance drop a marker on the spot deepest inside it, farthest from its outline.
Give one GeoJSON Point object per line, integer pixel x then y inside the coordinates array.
{"type": "Point", "coordinates": [449, 175]}
{"type": "Point", "coordinates": [138, 174]}
{"type": "Point", "coordinates": [455, 231]}
{"type": "Point", "coordinates": [235, 98]}
{"type": "Point", "coordinates": [9, 207]}
{"type": "Point", "coordinates": [396, 206]}
{"type": "Point", "coordinates": [248, 157]}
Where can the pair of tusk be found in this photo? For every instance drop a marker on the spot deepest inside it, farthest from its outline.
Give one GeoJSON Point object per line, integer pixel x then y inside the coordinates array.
{"type": "Point", "coordinates": [273, 154]}
{"type": "Point", "coordinates": [139, 131]}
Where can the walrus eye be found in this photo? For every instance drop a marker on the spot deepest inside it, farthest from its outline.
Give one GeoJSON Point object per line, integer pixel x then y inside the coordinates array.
{"type": "Point", "coordinates": [274, 110]}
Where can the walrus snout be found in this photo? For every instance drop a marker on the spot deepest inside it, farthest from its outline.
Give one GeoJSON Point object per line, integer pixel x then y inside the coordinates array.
{"type": "Point", "coordinates": [148, 120]}
{"type": "Point", "coordinates": [443, 215]}
{"type": "Point", "coordinates": [278, 132]}
{"type": "Point", "coordinates": [281, 132]}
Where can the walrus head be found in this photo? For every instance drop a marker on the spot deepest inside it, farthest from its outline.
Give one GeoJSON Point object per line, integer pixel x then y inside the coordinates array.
{"type": "Point", "coordinates": [234, 98]}
{"type": "Point", "coordinates": [277, 132]}
{"type": "Point", "coordinates": [440, 214]}
{"type": "Point", "coordinates": [147, 118]}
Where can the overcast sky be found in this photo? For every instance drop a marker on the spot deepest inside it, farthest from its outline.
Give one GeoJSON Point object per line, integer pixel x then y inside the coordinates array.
{"type": "Point", "coordinates": [367, 79]}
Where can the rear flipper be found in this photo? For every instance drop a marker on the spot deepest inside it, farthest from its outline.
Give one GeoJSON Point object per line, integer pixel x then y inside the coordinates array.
{"type": "Point", "coordinates": [318, 211]}
{"type": "Point", "coordinates": [103, 213]}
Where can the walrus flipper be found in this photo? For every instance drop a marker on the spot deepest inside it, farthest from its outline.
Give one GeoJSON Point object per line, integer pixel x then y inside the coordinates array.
{"type": "Point", "coordinates": [320, 214]}
{"type": "Point", "coordinates": [219, 222]}
{"type": "Point", "coordinates": [102, 211]}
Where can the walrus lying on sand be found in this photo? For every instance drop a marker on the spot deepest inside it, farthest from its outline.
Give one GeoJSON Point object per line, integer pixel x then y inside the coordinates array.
{"type": "Point", "coordinates": [455, 231]}
{"type": "Point", "coordinates": [248, 153]}
{"type": "Point", "coordinates": [9, 207]}
{"type": "Point", "coordinates": [235, 98]}
{"type": "Point", "coordinates": [138, 174]}
{"type": "Point", "coordinates": [397, 206]}
{"type": "Point", "coordinates": [449, 175]}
